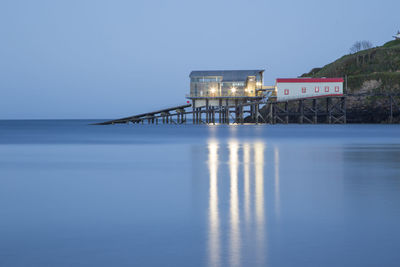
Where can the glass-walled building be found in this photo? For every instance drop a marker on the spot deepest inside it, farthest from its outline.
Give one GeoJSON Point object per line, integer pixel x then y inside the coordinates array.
{"type": "Point", "coordinates": [226, 83]}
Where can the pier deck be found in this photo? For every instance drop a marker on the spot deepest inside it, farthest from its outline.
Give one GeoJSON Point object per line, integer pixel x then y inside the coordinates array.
{"type": "Point", "coordinates": [330, 110]}
{"type": "Point", "coordinates": [162, 113]}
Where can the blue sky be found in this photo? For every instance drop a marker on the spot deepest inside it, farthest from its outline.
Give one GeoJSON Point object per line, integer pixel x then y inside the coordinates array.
{"type": "Point", "coordinates": [105, 59]}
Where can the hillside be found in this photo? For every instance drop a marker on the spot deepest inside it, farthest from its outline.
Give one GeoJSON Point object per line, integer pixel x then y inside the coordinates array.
{"type": "Point", "coordinates": [376, 70]}
{"type": "Point", "coordinates": [373, 70]}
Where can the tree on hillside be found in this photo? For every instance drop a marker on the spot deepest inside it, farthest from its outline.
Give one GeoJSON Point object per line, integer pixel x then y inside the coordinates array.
{"type": "Point", "coordinates": [360, 45]}
{"type": "Point", "coordinates": [356, 47]}
{"type": "Point", "coordinates": [366, 45]}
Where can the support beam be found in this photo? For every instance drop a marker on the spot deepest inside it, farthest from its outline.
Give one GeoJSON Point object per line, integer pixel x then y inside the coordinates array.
{"type": "Point", "coordinates": [193, 111]}
{"type": "Point", "coordinates": [226, 113]}
{"type": "Point", "coordinates": [271, 110]}
{"type": "Point", "coordinates": [256, 106]}
{"type": "Point", "coordinates": [301, 111]}
{"type": "Point", "coordinates": [220, 111]}
{"type": "Point", "coordinates": [207, 112]}
{"type": "Point", "coordinates": [241, 115]}
{"type": "Point", "coordinates": [315, 114]}
{"type": "Point", "coordinates": [328, 110]}
{"type": "Point", "coordinates": [213, 115]}
{"type": "Point", "coordinates": [236, 111]}
{"type": "Point", "coordinates": [344, 110]}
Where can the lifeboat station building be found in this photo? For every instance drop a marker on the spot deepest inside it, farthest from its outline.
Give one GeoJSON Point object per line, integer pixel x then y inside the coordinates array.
{"type": "Point", "coordinates": [229, 86]}
{"type": "Point", "coordinates": [217, 91]}
{"type": "Point", "coordinates": [226, 96]}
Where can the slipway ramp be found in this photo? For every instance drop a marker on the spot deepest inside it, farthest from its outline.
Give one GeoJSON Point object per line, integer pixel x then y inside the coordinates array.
{"type": "Point", "coordinates": [166, 112]}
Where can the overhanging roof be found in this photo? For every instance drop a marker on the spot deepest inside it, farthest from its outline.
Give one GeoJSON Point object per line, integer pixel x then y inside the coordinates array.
{"type": "Point", "coordinates": [227, 75]}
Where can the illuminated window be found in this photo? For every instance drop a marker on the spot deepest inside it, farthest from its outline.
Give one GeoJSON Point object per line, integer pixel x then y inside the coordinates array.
{"type": "Point", "coordinates": [326, 88]}
{"type": "Point", "coordinates": [316, 89]}
{"type": "Point", "coordinates": [336, 88]}
{"type": "Point", "coordinates": [205, 79]}
{"type": "Point", "coordinates": [238, 83]}
{"type": "Point", "coordinates": [286, 91]}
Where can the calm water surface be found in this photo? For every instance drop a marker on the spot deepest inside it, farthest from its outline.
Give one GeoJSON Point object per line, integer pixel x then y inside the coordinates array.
{"type": "Point", "coordinates": [72, 194]}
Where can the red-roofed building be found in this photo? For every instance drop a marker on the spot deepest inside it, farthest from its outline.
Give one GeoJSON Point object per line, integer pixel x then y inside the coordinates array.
{"type": "Point", "coordinates": [296, 88]}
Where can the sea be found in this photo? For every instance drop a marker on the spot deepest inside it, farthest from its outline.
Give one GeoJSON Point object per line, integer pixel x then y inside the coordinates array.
{"type": "Point", "coordinates": [76, 194]}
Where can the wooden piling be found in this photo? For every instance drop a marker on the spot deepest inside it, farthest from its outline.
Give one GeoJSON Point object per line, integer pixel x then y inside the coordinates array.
{"type": "Point", "coordinates": [220, 111]}
{"type": "Point", "coordinates": [344, 110]}
{"type": "Point", "coordinates": [256, 106]}
{"type": "Point", "coordinates": [328, 110]}
{"type": "Point", "coordinates": [315, 112]}
{"type": "Point", "coordinates": [207, 112]}
{"type": "Point", "coordinates": [301, 111]}
{"type": "Point", "coordinates": [227, 111]}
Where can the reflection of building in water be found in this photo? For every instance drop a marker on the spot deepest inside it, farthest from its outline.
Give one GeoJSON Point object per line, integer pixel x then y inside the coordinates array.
{"type": "Point", "coordinates": [213, 238]}
{"type": "Point", "coordinates": [277, 190]}
{"type": "Point", "coordinates": [259, 183]}
{"type": "Point", "coordinates": [259, 198]}
{"type": "Point", "coordinates": [246, 182]}
{"type": "Point", "coordinates": [234, 204]}
{"type": "Point", "coordinates": [252, 215]}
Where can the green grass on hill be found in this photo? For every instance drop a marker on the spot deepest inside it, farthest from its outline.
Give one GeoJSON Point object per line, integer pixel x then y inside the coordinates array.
{"type": "Point", "coordinates": [392, 43]}
{"type": "Point", "coordinates": [379, 63]}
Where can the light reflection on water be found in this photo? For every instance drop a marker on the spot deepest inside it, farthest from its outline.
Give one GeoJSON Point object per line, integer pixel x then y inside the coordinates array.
{"type": "Point", "coordinates": [246, 177]}
{"type": "Point", "coordinates": [234, 204]}
{"type": "Point", "coordinates": [259, 198]}
{"type": "Point", "coordinates": [214, 238]}
{"type": "Point", "coordinates": [276, 182]}
{"type": "Point", "coordinates": [74, 195]}
{"type": "Point", "coordinates": [252, 155]}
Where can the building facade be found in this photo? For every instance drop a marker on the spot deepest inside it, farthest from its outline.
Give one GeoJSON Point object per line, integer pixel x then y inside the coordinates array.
{"type": "Point", "coordinates": [300, 88]}
{"type": "Point", "coordinates": [229, 85]}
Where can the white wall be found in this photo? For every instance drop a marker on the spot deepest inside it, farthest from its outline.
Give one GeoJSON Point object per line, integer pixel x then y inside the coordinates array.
{"type": "Point", "coordinates": [291, 90]}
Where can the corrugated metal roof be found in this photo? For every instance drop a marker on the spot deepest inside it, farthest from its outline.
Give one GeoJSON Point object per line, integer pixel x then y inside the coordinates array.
{"type": "Point", "coordinates": [228, 75]}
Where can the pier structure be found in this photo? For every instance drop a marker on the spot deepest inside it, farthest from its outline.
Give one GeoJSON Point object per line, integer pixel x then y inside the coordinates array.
{"type": "Point", "coordinates": [239, 96]}
{"type": "Point", "coordinates": [315, 110]}
{"type": "Point", "coordinates": [225, 110]}
{"type": "Point", "coordinates": [172, 115]}
{"type": "Point", "coordinates": [328, 109]}
{"type": "Point", "coordinates": [224, 96]}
